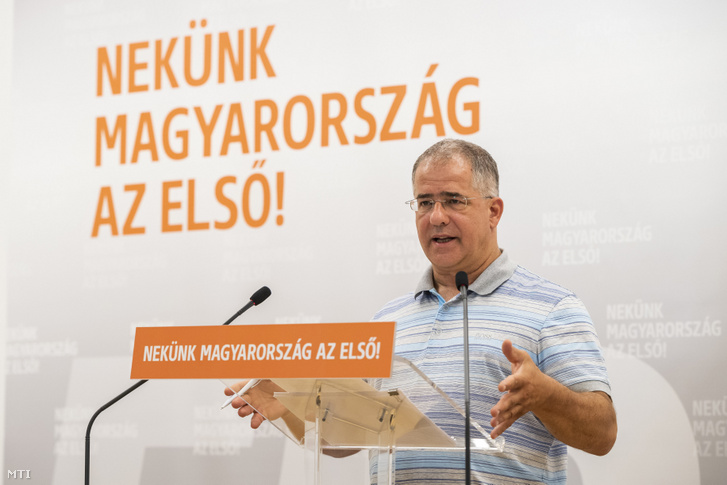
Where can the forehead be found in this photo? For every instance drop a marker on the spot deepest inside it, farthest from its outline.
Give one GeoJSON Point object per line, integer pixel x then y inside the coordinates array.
{"type": "Point", "coordinates": [452, 175]}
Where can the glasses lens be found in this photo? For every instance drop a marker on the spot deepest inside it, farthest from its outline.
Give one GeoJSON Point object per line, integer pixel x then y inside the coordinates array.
{"type": "Point", "coordinates": [456, 203]}
{"type": "Point", "coordinates": [425, 205]}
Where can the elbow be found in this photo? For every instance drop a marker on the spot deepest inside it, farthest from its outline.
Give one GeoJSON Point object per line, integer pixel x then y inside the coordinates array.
{"type": "Point", "coordinates": [606, 442]}
{"type": "Point", "coordinates": [608, 432]}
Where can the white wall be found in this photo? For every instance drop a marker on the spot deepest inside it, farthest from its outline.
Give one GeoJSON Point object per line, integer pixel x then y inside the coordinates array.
{"type": "Point", "coordinates": [608, 121]}
{"type": "Point", "coordinates": [6, 35]}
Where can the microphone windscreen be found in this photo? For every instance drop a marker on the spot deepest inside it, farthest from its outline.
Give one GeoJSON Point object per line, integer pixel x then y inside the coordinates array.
{"type": "Point", "coordinates": [260, 295]}
{"type": "Point", "coordinates": [460, 279]}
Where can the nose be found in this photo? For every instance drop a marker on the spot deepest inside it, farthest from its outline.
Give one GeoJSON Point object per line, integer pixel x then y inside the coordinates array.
{"type": "Point", "coordinates": [439, 215]}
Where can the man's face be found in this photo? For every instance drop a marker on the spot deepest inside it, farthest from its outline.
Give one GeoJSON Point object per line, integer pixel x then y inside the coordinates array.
{"type": "Point", "coordinates": [455, 240]}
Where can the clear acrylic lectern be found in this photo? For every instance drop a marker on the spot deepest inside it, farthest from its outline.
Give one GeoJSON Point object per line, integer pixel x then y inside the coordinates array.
{"type": "Point", "coordinates": [339, 416]}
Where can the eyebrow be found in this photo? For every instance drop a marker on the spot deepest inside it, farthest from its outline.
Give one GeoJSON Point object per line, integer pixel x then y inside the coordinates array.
{"type": "Point", "coordinates": [445, 193]}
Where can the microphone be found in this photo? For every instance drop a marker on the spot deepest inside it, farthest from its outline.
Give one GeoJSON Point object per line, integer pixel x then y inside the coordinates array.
{"type": "Point", "coordinates": [258, 297]}
{"type": "Point", "coordinates": [460, 279]}
{"type": "Point", "coordinates": [462, 282]}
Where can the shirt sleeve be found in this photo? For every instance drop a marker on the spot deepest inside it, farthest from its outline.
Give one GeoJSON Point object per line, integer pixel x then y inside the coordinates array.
{"type": "Point", "coordinates": [569, 350]}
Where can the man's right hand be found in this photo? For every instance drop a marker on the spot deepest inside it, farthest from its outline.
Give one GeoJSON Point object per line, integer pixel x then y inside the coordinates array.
{"type": "Point", "coordinates": [258, 402]}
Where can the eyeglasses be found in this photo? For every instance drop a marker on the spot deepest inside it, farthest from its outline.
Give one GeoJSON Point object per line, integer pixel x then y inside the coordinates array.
{"type": "Point", "coordinates": [456, 203]}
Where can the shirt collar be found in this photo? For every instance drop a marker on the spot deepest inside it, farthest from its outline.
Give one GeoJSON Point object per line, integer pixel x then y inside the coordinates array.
{"type": "Point", "coordinates": [498, 272]}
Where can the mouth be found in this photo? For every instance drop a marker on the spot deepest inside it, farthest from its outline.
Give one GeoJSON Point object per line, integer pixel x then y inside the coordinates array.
{"type": "Point", "coordinates": [442, 239]}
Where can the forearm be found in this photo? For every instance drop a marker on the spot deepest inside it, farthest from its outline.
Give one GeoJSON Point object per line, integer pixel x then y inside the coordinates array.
{"type": "Point", "coordinates": [583, 420]}
{"type": "Point", "coordinates": [295, 425]}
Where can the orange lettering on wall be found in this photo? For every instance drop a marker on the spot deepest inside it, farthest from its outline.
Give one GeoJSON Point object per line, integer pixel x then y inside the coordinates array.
{"type": "Point", "coordinates": [103, 63]}
{"type": "Point", "coordinates": [105, 200]}
{"type": "Point", "coordinates": [263, 181]}
{"type": "Point", "coordinates": [288, 121]}
{"type": "Point", "coordinates": [429, 92]}
{"type": "Point", "coordinates": [366, 116]}
{"type": "Point", "coordinates": [267, 127]}
{"type": "Point", "coordinates": [238, 67]}
{"type": "Point", "coordinates": [259, 51]}
{"type": "Point", "coordinates": [207, 127]}
{"type": "Point", "coordinates": [180, 134]}
{"type": "Point", "coordinates": [327, 121]}
{"type": "Point", "coordinates": [191, 80]}
{"type": "Point", "coordinates": [136, 66]}
{"type": "Point", "coordinates": [229, 53]}
{"type": "Point", "coordinates": [161, 61]}
{"type": "Point", "coordinates": [398, 92]}
{"type": "Point", "coordinates": [128, 228]}
{"type": "Point", "coordinates": [224, 200]}
{"type": "Point", "coordinates": [235, 118]}
{"type": "Point", "coordinates": [168, 206]}
{"type": "Point", "coordinates": [145, 126]}
{"type": "Point", "coordinates": [473, 107]}
{"type": "Point", "coordinates": [102, 129]}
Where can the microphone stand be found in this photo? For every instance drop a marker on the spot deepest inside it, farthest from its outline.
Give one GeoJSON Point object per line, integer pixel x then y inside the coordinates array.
{"type": "Point", "coordinates": [93, 418]}
{"type": "Point", "coordinates": [462, 284]}
{"type": "Point", "coordinates": [258, 297]}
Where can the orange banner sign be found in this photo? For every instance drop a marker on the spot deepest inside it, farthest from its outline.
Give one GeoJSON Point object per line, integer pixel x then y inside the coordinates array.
{"type": "Point", "coordinates": [325, 350]}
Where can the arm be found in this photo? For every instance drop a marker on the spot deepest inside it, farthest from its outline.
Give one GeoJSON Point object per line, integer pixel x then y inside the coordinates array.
{"type": "Point", "coordinates": [583, 420]}
{"type": "Point", "coordinates": [260, 401]}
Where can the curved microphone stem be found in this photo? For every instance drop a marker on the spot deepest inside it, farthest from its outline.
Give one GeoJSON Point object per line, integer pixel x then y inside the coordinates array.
{"type": "Point", "coordinates": [239, 312]}
{"type": "Point", "coordinates": [93, 418]}
{"type": "Point", "coordinates": [258, 297]}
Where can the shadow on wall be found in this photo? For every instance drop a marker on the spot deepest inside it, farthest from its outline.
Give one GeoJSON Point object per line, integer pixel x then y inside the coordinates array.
{"type": "Point", "coordinates": [655, 443]}
{"type": "Point", "coordinates": [181, 467]}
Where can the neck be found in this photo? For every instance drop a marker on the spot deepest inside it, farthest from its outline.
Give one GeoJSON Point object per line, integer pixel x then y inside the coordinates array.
{"type": "Point", "coordinates": [444, 281]}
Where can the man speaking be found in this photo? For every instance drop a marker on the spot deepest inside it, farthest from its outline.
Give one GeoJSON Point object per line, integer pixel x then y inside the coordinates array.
{"type": "Point", "coordinates": [537, 373]}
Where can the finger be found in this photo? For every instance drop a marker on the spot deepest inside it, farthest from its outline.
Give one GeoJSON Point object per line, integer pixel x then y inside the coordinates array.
{"type": "Point", "coordinates": [245, 411]}
{"type": "Point", "coordinates": [498, 427]}
{"type": "Point", "coordinates": [511, 353]}
{"type": "Point", "coordinates": [508, 384]}
{"type": "Point", "coordinates": [501, 405]}
{"type": "Point", "coordinates": [512, 413]}
{"type": "Point", "coordinates": [498, 430]}
{"type": "Point", "coordinates": [506, 401]}
{"type": "Point", "coordinates": [256, 420]}
{"type": "Point", "coordinates": [504, 419]}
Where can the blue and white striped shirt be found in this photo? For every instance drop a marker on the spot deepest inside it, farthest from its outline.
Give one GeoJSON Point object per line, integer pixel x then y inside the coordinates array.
{"type": "Point", "coordinates": [505, 302]}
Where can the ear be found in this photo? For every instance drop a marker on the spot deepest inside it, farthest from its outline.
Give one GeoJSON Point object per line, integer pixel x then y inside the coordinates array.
{"type": "Point", "coordinates": [496, 207]}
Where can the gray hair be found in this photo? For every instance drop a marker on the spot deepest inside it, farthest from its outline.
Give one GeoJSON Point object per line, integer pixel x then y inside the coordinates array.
{"type": "Point", "coordinates": [485, 177]}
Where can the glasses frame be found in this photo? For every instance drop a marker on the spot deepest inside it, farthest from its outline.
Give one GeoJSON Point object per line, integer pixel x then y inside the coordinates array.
{"type": "Point", "coordinates": [415, 202]}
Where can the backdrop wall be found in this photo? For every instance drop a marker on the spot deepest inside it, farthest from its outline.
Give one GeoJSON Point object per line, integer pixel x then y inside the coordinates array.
{"type": "Point", "coordinates": [167, 159]}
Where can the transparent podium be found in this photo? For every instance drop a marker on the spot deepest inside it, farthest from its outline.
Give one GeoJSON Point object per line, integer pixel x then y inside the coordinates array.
{"type": "Point", "coordinates": [338, 417]}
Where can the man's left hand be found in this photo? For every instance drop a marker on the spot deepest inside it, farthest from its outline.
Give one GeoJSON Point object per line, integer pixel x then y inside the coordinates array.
{"type": "Point", "coordinates": [524, 390]}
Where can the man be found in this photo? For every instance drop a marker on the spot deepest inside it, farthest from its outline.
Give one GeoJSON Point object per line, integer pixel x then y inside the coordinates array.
{"type": "Point", "coordinates": [537, 374]}
{"type": "Point", "coordinates": [529, 339]}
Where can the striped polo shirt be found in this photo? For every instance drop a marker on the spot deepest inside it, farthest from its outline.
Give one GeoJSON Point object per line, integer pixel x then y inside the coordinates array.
{"type": "Point", "coordinates": [505, 302]}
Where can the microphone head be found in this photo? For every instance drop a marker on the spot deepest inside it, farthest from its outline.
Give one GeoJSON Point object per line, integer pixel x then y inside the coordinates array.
{"type": "Point", "coordinates": [460, 279]}
{"type": "Point", "coordinates": [260, 295]}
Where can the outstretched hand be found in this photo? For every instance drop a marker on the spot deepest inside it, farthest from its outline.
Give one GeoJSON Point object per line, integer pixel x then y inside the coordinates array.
{"type": "Point", "coordinates": [525, 389]}
{"type": "Point", "coordinates": [258, 402]}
